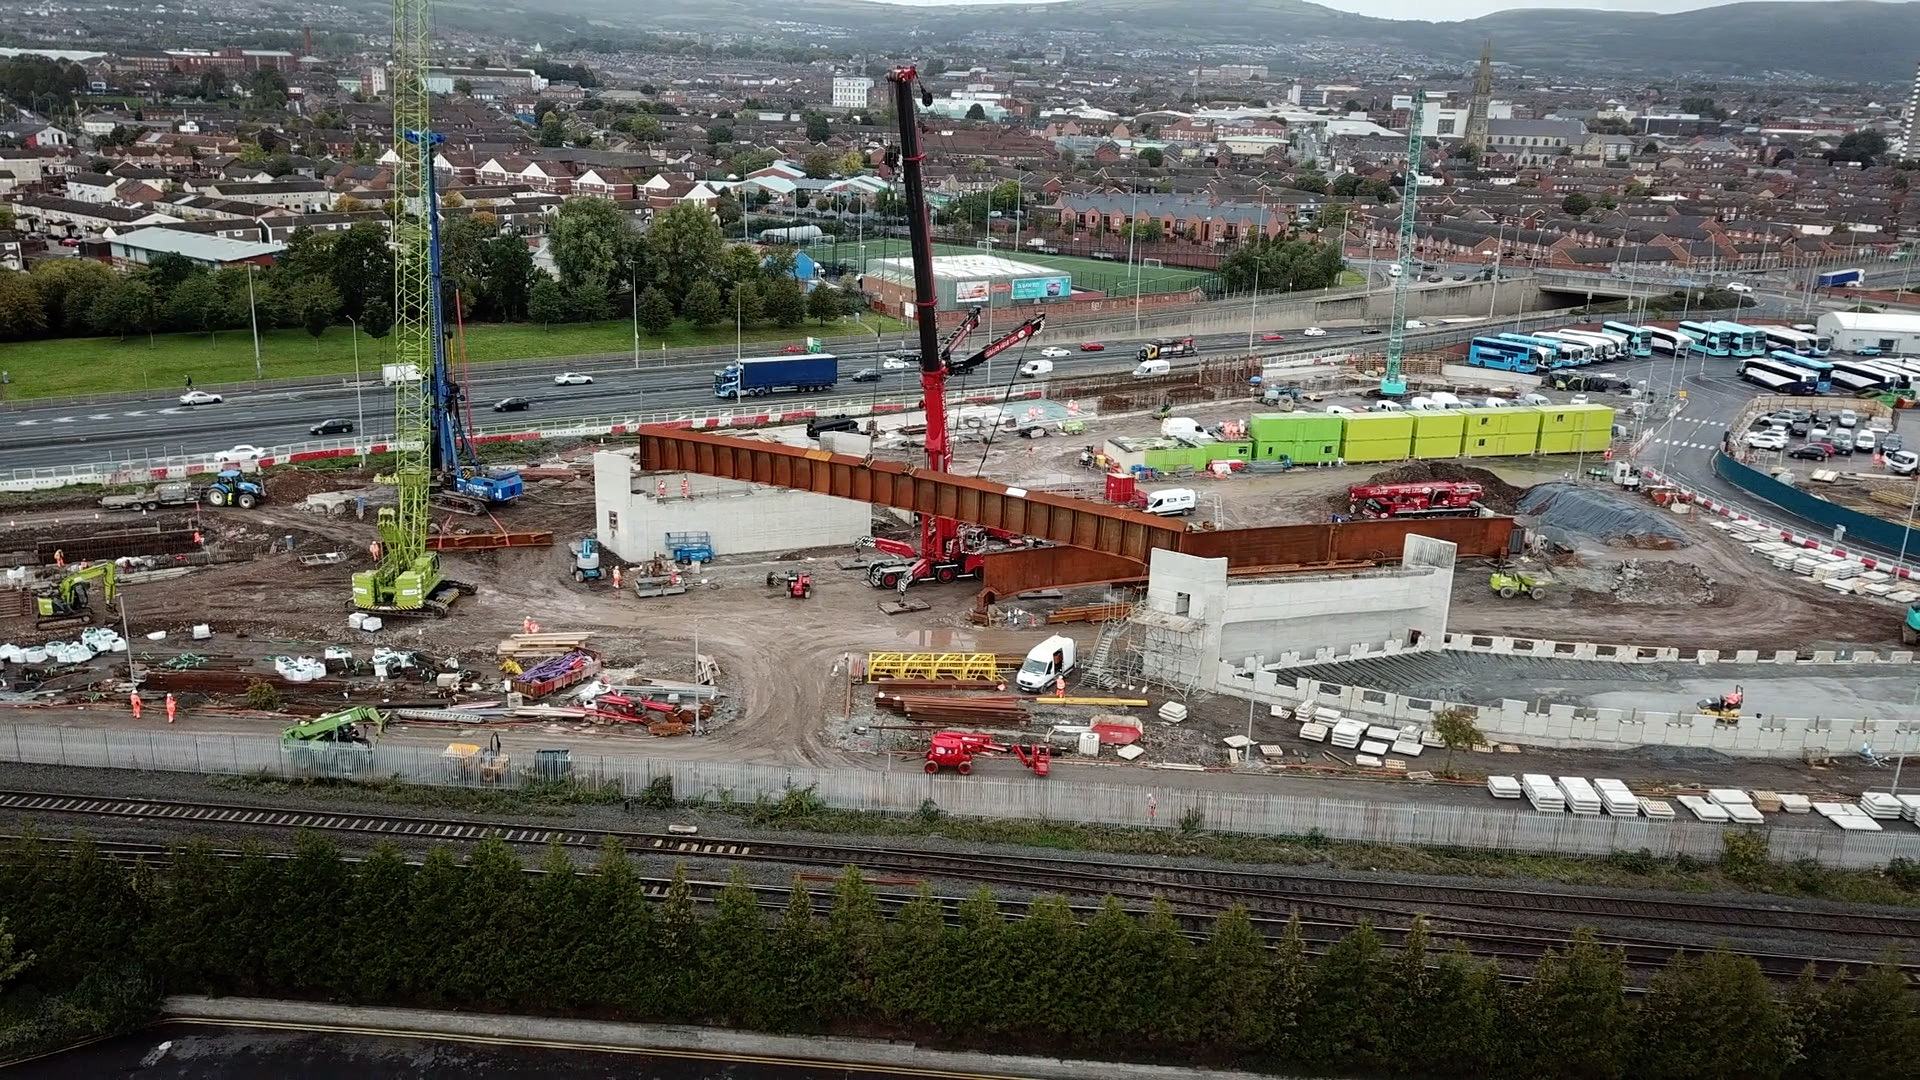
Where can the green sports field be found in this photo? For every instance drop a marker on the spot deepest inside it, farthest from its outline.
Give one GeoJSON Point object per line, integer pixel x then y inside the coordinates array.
{"type": "Point", "coordinates": [1108, 277]}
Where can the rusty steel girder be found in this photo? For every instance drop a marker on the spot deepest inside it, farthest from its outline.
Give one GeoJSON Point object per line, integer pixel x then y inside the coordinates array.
{"type": "Point", "coordinates": [1111, 530]}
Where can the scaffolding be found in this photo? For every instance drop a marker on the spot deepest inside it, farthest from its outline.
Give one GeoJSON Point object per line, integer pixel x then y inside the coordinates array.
{"type": "Point", "coordinates": [1151, 647]}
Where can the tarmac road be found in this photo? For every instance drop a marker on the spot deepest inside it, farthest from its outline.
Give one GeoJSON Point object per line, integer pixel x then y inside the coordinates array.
{"type": "Point", "coordinates": [66, 434]}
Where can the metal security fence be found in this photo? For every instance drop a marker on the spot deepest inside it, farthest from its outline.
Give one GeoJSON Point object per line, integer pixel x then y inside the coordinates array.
{"type": "Point", "coordinates": [1149, 800]}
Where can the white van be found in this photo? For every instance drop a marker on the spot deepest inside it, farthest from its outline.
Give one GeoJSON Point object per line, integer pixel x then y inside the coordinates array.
{"type": "Point", "coordinates": [1423, 404]}
{"type": "Point", "coordinates": [1169, 502]}
{"type": "Point", "coordinates": [1903, 462]}
{"type": "Point", "coordinates": [1338, 410]}
{"type": "Point", "coordinates": [1388, 406]}
{"type": "Point", "coordinates": [1499, 403]}
{"type": "Point", "coordinates": [1184, 427]}
{"type": "Point", "coordinates": [1443, 400]}
{"type": "Point", "coordinates": [1046, 662]}
{"type": "Point", "coordinates": [1394, 270]}
{"type": "Point", "coordinates": [1536, 400]}
{"type": "Point", "coordinates": [1147, 369]}
{"type": "Point", "coordinates": [1033, 368]}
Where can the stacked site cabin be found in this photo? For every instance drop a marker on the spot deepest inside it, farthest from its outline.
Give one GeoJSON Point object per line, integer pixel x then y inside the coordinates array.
{"type": "Point", "coordinates": [1306, 438]}
{"type": "Point", "coordinates": [1438, 434]}
{"type": "Point", "coordinates": [1575, 429]}
{"type": "Point", "coordinates": [1378, 437]}
{"type": "Point", "coordinates": [1501, 432]}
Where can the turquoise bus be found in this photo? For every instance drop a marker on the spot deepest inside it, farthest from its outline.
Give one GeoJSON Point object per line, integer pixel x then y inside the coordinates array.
{"type": "Point", "coordinates": [1639, 338]}
{"type": "Point", "coordinates": [1707, 338]}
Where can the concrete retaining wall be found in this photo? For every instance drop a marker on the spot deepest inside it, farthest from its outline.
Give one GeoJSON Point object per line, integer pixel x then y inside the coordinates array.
{"type": "Point", "coordinates": [1078, 793]}
{"type": "Point", "coordinates": [741, 518]}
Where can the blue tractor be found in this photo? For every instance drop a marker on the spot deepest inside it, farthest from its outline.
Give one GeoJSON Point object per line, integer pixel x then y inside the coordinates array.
{"type": "Point", "coordinates": [230, 488]}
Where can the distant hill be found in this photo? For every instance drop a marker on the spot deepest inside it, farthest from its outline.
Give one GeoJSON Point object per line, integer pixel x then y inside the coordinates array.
{"type": "Point", "coordinates": [1852, 40]}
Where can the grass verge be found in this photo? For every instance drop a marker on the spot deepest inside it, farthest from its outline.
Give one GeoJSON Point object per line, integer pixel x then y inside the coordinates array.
{"type": "Point", "coordinates": [532, 796]}
{"type": "Point", "coordinates": [67, 367]}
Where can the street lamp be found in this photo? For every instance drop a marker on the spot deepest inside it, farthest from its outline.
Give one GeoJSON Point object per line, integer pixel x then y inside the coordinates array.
{"type": "Point", "coordinates": [359, 409]}
{"type": "Point", "coordinates": [253, 316]}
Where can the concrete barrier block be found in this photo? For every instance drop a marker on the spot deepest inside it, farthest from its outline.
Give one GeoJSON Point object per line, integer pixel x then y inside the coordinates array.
{"type": "Point", "coordinates": [1708, 656]}
{"type": "Point", "coordinates": [1747, 656]}
{"type": "Point", "coordinates": [1666, 654]}
{"type": "Point", "coordinates": [1823, 656]}
{"type": "Point", "coordinates": [1783, 656]}
{"type": "Point", "coordinates": [1543, 648]}
{"type": "Point", "coordinates": [1586, 650]}
{"type": "Point", "coordinates": [1902, 656]}
{"type": "Point", "coordinates": [1865, 656]}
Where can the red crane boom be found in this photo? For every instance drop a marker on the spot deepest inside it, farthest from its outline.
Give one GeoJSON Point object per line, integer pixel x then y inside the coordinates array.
{"type": "Point", "coordinates": [947, 550]}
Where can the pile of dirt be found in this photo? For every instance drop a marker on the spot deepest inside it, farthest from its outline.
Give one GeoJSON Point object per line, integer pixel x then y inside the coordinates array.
{"type": "Point", "coordinates": [1573, 517]}
{"type": "Point", "coordinates": [1662, 583]}
{"type": "Point", "coordinates": [1500, 496]}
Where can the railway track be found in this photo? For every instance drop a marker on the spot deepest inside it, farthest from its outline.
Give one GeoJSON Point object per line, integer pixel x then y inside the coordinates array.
{"type": "Point", "coordinates": [1477, 915]}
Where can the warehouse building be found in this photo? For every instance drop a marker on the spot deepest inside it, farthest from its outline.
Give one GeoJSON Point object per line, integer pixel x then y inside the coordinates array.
{"type": "Point", "coordinates": [1889, 332]}
{"type": "Point", "coordinates": [964, 281]}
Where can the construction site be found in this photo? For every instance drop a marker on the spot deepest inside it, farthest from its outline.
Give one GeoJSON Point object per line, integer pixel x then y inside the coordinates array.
{"type": "Point", "coordinates": [1258, 598]}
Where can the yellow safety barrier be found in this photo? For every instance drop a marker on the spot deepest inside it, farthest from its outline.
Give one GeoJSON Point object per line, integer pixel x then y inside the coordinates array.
{"type": "Point", "coordinates": [904, 665]}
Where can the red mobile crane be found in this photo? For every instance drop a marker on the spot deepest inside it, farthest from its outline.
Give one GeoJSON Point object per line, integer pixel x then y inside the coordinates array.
{"type": "Point", "coordinates": [1439, 498]}
{"type": "Point", "coordinates": [947, 550]}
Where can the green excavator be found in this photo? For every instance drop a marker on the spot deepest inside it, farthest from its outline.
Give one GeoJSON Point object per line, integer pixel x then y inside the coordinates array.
{"type": "Point", "coordinates": [66, 602]}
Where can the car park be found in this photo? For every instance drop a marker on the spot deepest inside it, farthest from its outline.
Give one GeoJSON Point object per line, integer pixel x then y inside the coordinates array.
{"type": "Point", "coordinates": [572, 378]}
{"type": "Point", "coordinates": [866, 374]}
{"type": "Point", "coordinates": [1810, 452]}
{"type": "Point", "coordinates": [200, 397]}
{"type": "Point", "coordinates": [1766, 440]}
{"type": "Point", "coordinates": [513, 404]}
{"type": "Point", "coordinates": [1054, 352]}
{"type": "Point", "coordinates": [336, 426]}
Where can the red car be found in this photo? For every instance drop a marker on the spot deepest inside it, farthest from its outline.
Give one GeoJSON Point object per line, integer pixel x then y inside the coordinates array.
{"type": "Point", "coordinates": [1093, 346]}
{"type": "Point", "coordinates": [790, 349]}
{"type": "Point", "coordinates": [1272, 337]}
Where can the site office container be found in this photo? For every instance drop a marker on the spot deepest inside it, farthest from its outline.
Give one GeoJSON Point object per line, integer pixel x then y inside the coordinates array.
{"type": "Point", "coordinates": [1230, 451]}
{"type": "Point", "coordinates": [1575, 429]}
{"type": "Point", "coordinates": [1183, 456]}
{"type": "Point", "coordinates": [1508, 432]}
{"type": "Point", "coordinates": [1306, 438]}
{"type": "Point", "coordinates": [1377, 437]}
{"type": "Point", "coordinates": [1438, 434]}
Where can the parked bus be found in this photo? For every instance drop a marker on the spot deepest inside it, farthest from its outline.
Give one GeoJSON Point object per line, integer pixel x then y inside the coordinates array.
{"type": "Point", "coordinates": [1670, 342]}
{"type": "Point", "coordinates": [1566, 353]}
{"type": "Point", "coordinates": [1900, 374]}
{"type": "Point", "coordinates": [1822, 343]}
{"type": "Point", "coordinates": [1707, 338]}
{"type": "Point", "coordinates": [1605, 346]}
{"type": "Point", "coordinates": [1742, 340]}
{"type": "Point", "coordinates": [1821, 371]}
{"type": "Point", "coordinates": [1852, 378]}
{"type": "Point", "coordinates": [1776, 377]}
{"type": "Point", "coordinates": [1797, 341]}
{"type": "Point", "coordinates": [1590, 353]}
{"type": "Point", "coordinates": [1501, 355]}
{"type": "Point", "coordinates": [1639, 338]}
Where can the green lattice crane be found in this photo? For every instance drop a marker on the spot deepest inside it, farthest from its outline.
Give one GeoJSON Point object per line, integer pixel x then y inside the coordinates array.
{"type": "Point", "coordinates": [407, 580]}
{"type": "Point", "coordinates": [1393, 383]}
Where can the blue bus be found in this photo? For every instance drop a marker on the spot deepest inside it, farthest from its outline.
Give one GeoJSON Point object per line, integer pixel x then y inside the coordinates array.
{"type": "Point", "coordinates": [1821, 371]}
{"type": "Point", "coordinates": [1707, 338]}
{"type": "Point", "coordinates": [1566, 353]}
{"type": "Point", "coordinates": [1501, 355]}
{"type": "Point", "coordinates": [1777, 377]}
{"type": "Point", "coordinates": [1639, 338]}
{"type": "Point", "coordinates": [1743, 341]}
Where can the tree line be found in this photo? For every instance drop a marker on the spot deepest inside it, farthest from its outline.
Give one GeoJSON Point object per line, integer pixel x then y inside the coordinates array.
{"type": "Point", "coordinates": [91, 943]}
{"type": "Point", "coordinates": [683, 267]}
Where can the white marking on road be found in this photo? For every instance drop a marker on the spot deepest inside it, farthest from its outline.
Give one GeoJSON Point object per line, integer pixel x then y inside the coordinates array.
{"type": "Point", "coordinates": [65, 419]}
{"type": "Point", "coordinates": [26, 423]}
{"type": "Point", "coordinates": [100, 416]}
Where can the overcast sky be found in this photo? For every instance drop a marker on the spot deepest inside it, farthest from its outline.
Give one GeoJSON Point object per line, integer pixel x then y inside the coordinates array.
{"type": "Point", "coordinates": [1427, 9]}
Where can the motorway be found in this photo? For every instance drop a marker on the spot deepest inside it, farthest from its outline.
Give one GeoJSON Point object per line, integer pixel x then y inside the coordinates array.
{"type": "Point", "coordinates": [133, 431]}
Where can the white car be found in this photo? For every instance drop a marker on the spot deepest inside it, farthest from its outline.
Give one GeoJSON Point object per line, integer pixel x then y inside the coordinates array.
{"type": "Point", "coordinates": [1766, 440]}
{"type": "Point", "coordinates": [1338, 410]}
{"type": "Point", "coordinates": [1849, 418]}
{"type": "Point", "coordinates": [1394, 270]}
{"type": "Point", "coordinates": [200, 397]}
{"type": "Point", "coordinates": [1739, 287]}
{"type": "Point", "coordinates": [572, 378]}
{"type": "Point", "coordinates": [893, 363]}
{"type": "Point", "coordinates": [1054, 352]}
{"type": "Point", "coordinates": [244, 452]}
{"type": "Point", "coordinates": [1313, 331]}
{"type": "Point", "coordinates": [1416, 324]}
{"type": "Point", "coordinates": [1577, 399]}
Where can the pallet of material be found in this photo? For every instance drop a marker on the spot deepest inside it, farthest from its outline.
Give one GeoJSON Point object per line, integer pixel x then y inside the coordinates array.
{"type": "Point", "coordinates": [1313, 731]}
{"type": "Point", "coordinates": [1504, 787]}
{"type": "Point", "coordinates": [535, 645]}
{"type": "Point", "coordinates": [1089, 613]}
{"type": "Point", "coordinates": [1881, 806]}
{"type": "Point", "coordinates": [1910, 808]}
{"type": "Point", "coordinates": [1795, 804]}
{"type": "Point", "coordinates": [1657, 809]}
{"type": "Point", "coordinates": [1580, 796]}
{"type": "Point", "coordinates": [1704, 809]}
{"type": "Point", "coordinates": [1346, 733]}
